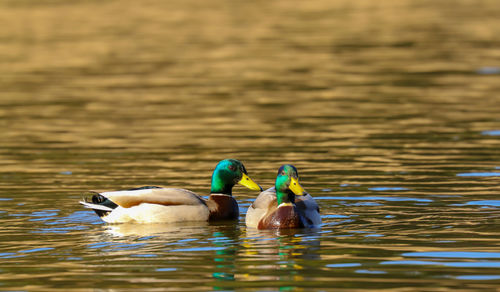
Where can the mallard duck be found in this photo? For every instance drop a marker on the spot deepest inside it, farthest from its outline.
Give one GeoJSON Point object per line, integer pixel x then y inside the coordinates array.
{"type": "Point", "coordinates": [163, 205]}
{"type": "Point", "coordinates": [286, 205]}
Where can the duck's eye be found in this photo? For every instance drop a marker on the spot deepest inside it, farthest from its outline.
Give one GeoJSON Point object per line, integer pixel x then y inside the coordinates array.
{"type": "Point", "coordinates": [283, 172]}
{"type": "Point", "coordinates": [232, 167]}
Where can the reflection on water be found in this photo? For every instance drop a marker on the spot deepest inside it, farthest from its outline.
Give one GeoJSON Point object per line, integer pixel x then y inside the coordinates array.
{"type": "Point", "coordinates": [389, 108]}
{"type": "Point", "coordinates": [165, 231]}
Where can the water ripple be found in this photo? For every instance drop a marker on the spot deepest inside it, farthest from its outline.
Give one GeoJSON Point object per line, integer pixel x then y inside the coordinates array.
{"type": "Point", "coordinates": [389, 199]}
{"type": "Point", "coordinates": [344, 265]}
{"type": "Point", "coordinates": [206, 248]}
{"type": "Point", "coordinates": [479, 277]}
{"type": "Point", "coordinates": [479, 174]}
{"type": "Point", "coordinates": [492, 203]}
{"type": "Point", "coordinates": [481, 264]}
{"type": "Point", "coordinates": [491, 133]}
{"type": "Point", "coordinates": [383, 189]}
{"type": "Point", "coordinates": [455, 254]}
{"type": "Point", "coordinates": [36, 249]}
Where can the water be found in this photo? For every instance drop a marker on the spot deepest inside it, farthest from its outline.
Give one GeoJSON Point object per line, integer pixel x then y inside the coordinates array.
{"type": "Point", "coordinates": [390, 111]}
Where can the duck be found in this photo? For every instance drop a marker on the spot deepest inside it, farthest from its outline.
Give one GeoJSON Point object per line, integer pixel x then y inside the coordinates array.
{"type": "Point", "coordinates": [286, 205]}
{"type": "Point", "coordinates": [152, 204]}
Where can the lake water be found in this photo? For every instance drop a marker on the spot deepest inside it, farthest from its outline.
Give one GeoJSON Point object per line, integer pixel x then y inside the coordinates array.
{"type": "Point", "coordinates": [389, 109]}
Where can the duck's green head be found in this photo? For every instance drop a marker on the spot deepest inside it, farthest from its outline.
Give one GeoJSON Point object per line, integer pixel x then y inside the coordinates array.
{"type": "Point", "coordinates": [287, 184]}
{"type": "Point", "coordinates": [228, 173]}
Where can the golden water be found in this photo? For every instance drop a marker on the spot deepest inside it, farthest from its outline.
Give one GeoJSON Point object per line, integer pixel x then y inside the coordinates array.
{"type": "Point", "coordinates": [389, 109]}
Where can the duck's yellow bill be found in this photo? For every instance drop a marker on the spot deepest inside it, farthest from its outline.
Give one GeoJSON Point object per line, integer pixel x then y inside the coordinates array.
{"type": "Point", "coordinates": [295, 187]}
{"type": "Point", "coordinates": [249, 183]}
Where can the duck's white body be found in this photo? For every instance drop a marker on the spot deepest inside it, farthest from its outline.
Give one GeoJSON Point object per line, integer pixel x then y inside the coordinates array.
{"type": "Point", "coordinates": [266, 203]}
{"type": "Point", "coordinates": [151, 205]}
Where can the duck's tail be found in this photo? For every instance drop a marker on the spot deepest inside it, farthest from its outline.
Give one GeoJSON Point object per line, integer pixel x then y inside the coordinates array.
{"type": "Point", "coordinates": [101, 205]}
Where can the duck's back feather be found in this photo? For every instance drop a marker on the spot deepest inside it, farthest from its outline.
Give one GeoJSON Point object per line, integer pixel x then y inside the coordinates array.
{"type": "Point", "coordinates": [159, 196]}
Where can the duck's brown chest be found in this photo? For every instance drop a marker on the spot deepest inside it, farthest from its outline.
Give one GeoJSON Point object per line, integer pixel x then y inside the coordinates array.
{"type": "Point", "coordinates": [222, 207]}
{"type": "Point", "coordinates": [281, 218]}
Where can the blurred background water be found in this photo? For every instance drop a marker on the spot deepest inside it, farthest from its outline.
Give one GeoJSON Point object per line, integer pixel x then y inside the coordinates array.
{"type": "Point", "coordinates": [389, 109]}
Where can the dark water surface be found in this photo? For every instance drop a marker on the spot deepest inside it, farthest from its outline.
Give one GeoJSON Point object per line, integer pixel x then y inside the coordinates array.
{"type": "Point", "coordinates": [389, 109]}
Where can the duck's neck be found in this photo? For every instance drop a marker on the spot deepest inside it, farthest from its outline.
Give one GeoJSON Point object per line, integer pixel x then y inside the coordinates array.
{"type": "Point", "coordinates": [219, 186]}
{"type": "Point", "coordinates": [287, 197]}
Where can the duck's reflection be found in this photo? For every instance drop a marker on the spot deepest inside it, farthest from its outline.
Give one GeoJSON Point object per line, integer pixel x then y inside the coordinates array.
{"type": "Point", "coordinates": [226, 240]}
{"type": "Point", "coordinates": [239, 254]}
{"type": "Point", "coordinates": [285, 244]}
{"type": "Point", "coordinates": [282, 255]}
{"type": "Point", "coordinates": [163, 231]}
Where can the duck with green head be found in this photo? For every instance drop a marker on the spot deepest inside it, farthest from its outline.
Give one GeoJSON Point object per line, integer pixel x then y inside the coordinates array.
{"type": "Point", "coordinates": [164, 205]}
{"type": "Point", "coordinates": [286, 205]}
